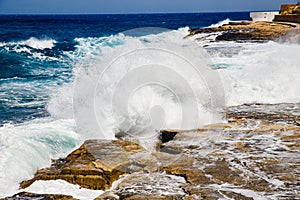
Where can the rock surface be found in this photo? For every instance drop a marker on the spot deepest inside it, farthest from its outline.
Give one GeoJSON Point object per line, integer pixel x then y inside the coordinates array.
{"type": "Point", "coordinates": [253, 156]}
{"type": "Point", "coordinates": [95, 165]}
{"type": "Point", "coordinates": [249, 31]}
{"type": "Point", "coordinates": [147, 186]}
{"type": "Point", "coordinates": [30, 196]}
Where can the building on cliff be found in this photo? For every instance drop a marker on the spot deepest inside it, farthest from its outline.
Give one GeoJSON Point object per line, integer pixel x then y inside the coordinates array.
{"type": "Point", "coordinates": [263, 16]}
{"type": "Point", "coordinates": [289, 13]}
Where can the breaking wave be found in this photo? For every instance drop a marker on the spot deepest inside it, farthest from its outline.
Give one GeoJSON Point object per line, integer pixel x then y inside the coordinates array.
{"type": "Point", "coordinates": [220, 23]}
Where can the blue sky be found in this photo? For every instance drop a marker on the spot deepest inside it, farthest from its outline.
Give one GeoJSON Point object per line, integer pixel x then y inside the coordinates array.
{"type": "Point", "coordinates": [134, 6]}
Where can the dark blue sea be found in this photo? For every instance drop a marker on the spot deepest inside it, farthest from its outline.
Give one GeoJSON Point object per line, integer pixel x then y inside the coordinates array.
{"type": "Point", "coordinates": [34, 48]}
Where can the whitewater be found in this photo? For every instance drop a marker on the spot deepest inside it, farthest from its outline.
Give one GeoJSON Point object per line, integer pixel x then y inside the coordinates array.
{"type": "Point", "coordinates": [125, 84]}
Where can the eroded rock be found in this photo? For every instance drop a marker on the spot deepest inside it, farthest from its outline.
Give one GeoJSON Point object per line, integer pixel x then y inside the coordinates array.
{"type": "Point", "coordinates": [254, 31]}
{"type": "Point", "coordinates": [254, 155]}
{"type": "Point", "coordinates": [95, 165]}
{"type": "Point", "coordinates": [148, 186]}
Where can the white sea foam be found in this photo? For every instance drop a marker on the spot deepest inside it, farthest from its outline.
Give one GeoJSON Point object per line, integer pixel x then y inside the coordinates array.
{"type": "Point", "coordinates": [30, 146]}
{"type": "Point", "coordinates": [38, 43]}
{"type": "Point", "coordinates": [114, 93]}
{"type": "Point", "coordinates": [62, 187]}
{"type": "Point", "coordinates": [31, 42]}
{"type": "Point", "coordinates": [248, 193]}
{"type": "Point", "coordinates": [254, 73]}
{"type": "Point", "coordinates": [220, 23]}
{"type": "Point", "coordinates": [261, 73]}
{"type": "Point", "coordinates": [31, 46]}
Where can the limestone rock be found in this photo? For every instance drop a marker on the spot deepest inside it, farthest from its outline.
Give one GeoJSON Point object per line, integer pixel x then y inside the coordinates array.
{"type": "Point", "coordinates": [254, 155]}
{"type": "Point", "coordinates": [254, 152]}
{"type": "Point", "coordinates": [95, 165]}
{"type": "Point", "coordinates": [255, 31]}
{"type": "Point", "coordinates": [148, 186]}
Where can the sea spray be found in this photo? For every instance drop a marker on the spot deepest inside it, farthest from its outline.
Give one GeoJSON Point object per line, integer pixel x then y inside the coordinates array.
{"type": "Point", "coordinates": [261, 73]}
{"type": "Point", "coordinates": [29, 146]}
{"type": "Point", "coordinates": [141, 85]}
{"type": "Point", "coordinates": [220, 23]}
{"type": "Point", "coordinates": [34, 71]}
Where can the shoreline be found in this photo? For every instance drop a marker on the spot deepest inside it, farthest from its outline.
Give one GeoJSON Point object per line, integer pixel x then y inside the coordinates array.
{"type": "Point", "coordinates": [235, 153]}
{"type": "Point", "coordinates": [251, 31]}
{"type": "Point", "coordinates": [252, 155]}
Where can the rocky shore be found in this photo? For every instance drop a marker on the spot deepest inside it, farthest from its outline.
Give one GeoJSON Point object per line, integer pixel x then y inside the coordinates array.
{"type": "Point", "coordinates": [253, 156]}
{"type": "Point", "coordinates": [251, 31]}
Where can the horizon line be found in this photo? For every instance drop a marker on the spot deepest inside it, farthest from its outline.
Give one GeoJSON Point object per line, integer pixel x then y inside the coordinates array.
{"type": "Point", "coordinates": [137, 13]}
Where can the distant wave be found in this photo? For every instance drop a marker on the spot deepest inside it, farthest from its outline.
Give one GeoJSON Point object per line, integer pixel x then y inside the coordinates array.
{"type": "Point", "coordinates": [220, 23]}
{"type": "Point", "coordinates": [31, 47]}
{"type": "Point", "coordinates": [33, 43]}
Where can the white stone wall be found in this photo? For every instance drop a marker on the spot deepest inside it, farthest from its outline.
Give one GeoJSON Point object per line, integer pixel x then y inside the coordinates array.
{"type": "Point", "coordinates": [263, 16]}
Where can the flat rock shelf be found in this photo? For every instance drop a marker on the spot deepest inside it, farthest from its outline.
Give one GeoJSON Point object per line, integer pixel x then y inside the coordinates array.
{"type": "Point", "coordinates": [253, 156]}
{"type": "Point", "coordinates": [251, 31]}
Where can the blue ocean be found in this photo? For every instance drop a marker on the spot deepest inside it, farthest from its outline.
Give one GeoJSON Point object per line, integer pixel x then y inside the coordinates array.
{"type": "Point", "coordinates": [35, 51]}
{"type": "Point", "coordinates": [46, 109]}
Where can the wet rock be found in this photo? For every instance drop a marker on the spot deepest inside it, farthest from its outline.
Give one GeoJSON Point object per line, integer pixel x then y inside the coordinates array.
{"type": "Point", "coordinates": [254, 155]}
{"type": "Point", "coordinates": [201, 192]}
{"type": "Point", "coordinates": [167, 135]}
{"type": "Point", "coordinates": [184, 167]}
{"type": "Point", "coordinates": [221, 171]}
{"type": "Point", "coordinates": [108, 196]}
{"type": "Point", "coordinates": [255, 31]}
{"type": "Point", "coordinates": [95, 165]}
{"type": "Point", "coordinates": [148, 186]}
{"type": "Point", "coordinates": [234, 195]}
{"type": "Point", "coordinates": [31, 196]}
{"type": "Point", "coordinates": [286, 113]}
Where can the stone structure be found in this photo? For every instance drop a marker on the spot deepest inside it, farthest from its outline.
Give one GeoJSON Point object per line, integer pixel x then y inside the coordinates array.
{"type": "Point", "coordinates": [263, 16]}
{"type": "Point", "coordinates": [289, 13]}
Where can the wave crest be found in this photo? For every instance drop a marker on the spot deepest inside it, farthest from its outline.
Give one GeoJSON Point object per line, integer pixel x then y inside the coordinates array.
{"type": "Point", "coordinates": [220, 23]}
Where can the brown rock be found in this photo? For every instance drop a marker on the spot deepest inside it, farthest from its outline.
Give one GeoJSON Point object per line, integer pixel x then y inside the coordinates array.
{"type": "Point", "coordinates": [256, 31]}
{"type": "Point", "coordinates": [95, 165]}
{"type": "Point", "coordinates": [25, 195]}
{"type": "Point", "coordinates": [251, 152]}
{"type": "Point", "coordinates": [236, 196]}
{"type": "Point", "coordinates": [201, 192]}
{"type": "Point", "coordinates": [184, 168]}
{"type": "Point", "coordinates": [222, 172]}
{"type": "Point", "coordinates": [148, 186]}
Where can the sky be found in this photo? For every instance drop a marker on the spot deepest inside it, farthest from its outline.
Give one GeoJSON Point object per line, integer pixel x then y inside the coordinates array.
{"type": "Point", "coordinates": [134, 6]}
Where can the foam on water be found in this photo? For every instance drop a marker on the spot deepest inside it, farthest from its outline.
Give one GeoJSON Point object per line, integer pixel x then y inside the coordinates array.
{"type": "Point", "coordinates": [33, 43]}
{"type": "Point", "coordinates": [32, 48]}
{"type": "Point", "coordinates": [30, 146]}
{"type": "Point", "coordinates": [113, 92]}
{"type": "Point", "coordinates": [62, 187]}
{"type": "Point", "coordinates": [261, 73]}
{"type": "Point", "coordinates": [220, 23]}
{"type": "Point", "coordinates": [253, 73]}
